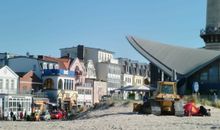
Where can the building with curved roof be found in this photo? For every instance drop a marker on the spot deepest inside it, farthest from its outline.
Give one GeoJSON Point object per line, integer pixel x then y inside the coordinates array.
{"type": "Point", "coordinates": [187, 65]}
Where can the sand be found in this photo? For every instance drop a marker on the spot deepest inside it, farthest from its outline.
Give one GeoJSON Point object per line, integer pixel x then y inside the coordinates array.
{"type": "Point", "coordinates": [121, 117]}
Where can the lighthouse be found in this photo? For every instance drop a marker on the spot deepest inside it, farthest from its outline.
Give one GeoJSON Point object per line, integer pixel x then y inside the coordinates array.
{"type": "Point", "coordinates": [211, 33]}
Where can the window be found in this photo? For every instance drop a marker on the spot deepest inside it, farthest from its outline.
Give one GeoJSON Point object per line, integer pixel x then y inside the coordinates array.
{"type": "Point", "coordinates": [213, 73]}
{"type": "Point", "coordinates": [12, 84]}
{"type": "Point", "coordinates": [48, 83]}
{"type": "Point", "coordinates": [60, 84]}
{"type": "Point", "coordinates": [7, 84]}
{"type": "Point", "coordinates": [167, 89]}
{"type": "Point", "coordinates": [1, 83]}
{"type": "Point", "coordinates": [34, 67]}
{"type": "Point", "coordinates": [50, 66]}
{"type": "Point", "coordinates": [204, 76]}
{"type": "Point", "coordinates": [45, 66]}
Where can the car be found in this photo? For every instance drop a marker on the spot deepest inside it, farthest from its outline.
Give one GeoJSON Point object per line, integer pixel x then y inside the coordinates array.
{"type": "Point", "coordinates": [56, 115]}
{"type": "Point", "coordinates": [105, 97]}
{"type": "Point", "coordinates": [45, 116]}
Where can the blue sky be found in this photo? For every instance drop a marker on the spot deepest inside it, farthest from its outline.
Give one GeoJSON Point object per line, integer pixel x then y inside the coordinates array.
{"type": "Point", "coordinates": [45, 26]}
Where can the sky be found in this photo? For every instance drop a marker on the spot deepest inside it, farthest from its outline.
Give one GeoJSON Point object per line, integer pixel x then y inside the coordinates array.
{"type": "Point", "coordinates": [42, 27]}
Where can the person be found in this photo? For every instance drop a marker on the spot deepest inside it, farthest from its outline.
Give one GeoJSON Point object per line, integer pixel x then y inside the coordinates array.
{"type": "Point", "coordinates": [25, 114]}
{"type": "Point", "coordinates": [21, 115]}
{"type": "Point", "coordinates": [11, 114]}
{"type": "Point", "coordinates": [204, 112]}
{"type": "Point", "coordinates": [145, 98]}
{"type": "Point", "coordinates": [14, 118]}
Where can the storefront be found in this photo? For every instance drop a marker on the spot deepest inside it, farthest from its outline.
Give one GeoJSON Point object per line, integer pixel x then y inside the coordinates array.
{"type": "Point", "coordinates": [16, 104]}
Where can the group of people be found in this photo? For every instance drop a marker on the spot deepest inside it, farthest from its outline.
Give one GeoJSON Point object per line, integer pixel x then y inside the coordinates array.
{"type": "Point", "coordinates": [15, 116]}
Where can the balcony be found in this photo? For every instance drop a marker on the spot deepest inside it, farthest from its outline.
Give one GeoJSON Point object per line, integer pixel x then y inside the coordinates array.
{"type": "Point", "coordinates": [57, 72]}
{"type": "Point", "coordinates": [210, 31]}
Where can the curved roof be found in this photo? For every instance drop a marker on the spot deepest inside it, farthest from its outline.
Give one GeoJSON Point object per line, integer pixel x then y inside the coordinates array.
{"type": "Point", "coordinates": [184, 60]}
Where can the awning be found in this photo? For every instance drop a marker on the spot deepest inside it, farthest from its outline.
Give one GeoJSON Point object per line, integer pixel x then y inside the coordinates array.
{"type": "Point", "coordinates": [140, 88]}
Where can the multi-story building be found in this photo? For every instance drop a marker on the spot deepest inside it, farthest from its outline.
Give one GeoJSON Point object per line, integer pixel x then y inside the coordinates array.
{"type": "Point", "coordinates": [59, 84]}
{"type": "Point", "coordinates": [10, 101]}
{"type": "Point", "coordinates": [87, 53]}
{"type": "Point", "coordinates": [110, 73]}
{"type": "Point", "coordinates": [107, 68]}
{"type": "Point", "coordinates": [133, 73]}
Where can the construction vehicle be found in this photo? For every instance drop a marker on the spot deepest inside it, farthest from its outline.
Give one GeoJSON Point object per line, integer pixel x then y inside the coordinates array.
{"type": "Point", "coordinates": [165, 101]}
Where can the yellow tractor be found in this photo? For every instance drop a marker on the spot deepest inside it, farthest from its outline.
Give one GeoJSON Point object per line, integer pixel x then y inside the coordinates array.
{"type": "Point", "coordinates": [165, 101]}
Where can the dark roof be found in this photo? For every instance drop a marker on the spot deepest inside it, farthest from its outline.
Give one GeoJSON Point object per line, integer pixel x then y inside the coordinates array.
{"type": "Point", "coordinates": [184, 60]}
{"type": "Point", "coordinates": [21, 74]}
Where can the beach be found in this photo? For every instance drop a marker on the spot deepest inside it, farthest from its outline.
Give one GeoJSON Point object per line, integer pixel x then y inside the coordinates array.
{"type": "Point", "coordinates": [120, 117]}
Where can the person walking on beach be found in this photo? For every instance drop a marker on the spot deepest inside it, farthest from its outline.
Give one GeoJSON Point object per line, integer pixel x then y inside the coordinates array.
{"type": "Point", "coordinates": [11, 115]}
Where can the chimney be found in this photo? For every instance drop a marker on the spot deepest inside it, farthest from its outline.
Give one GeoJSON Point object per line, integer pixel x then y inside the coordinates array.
{"type": "Point", "coordinates": [80, 52]}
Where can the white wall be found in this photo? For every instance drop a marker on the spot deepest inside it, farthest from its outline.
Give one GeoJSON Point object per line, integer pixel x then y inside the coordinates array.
{"type": "Point", "coordinates": [138, 80]}
{"type": "Point", "coordinates": [6, 74]}
{"type": "Point", "coordinates": [99, 89]}
{"type": "Point", "coordinates": [102, 71]}
{"type": "Point", "coordinates": [127, 80]}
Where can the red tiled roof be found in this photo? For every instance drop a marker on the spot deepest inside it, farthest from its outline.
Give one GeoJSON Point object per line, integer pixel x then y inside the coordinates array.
{"type": "Point", "coordinates": [64, 63]}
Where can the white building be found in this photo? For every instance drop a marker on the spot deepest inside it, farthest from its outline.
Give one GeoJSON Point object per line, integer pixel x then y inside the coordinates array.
{"type": "Point", "coordinates": [127, 80]}
{"type": "Point", "coordinates": [133, 73]}
{"type": "Point", "coordinates": [9, 100]}
{"type": "Point", "coordinates": [85, 95]}
{"type": "Point", "coordinates": [87, 53]}
{"type": "Point", "coordinates": [111, 73]}
{"type": "Point", "coordinates": [8, 81]}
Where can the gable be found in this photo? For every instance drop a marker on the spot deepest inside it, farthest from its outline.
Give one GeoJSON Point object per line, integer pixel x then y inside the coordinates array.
{"type": "Point", "coordinates": [7, 72]}
{"type": "Point", "coordinates": [76, 63]}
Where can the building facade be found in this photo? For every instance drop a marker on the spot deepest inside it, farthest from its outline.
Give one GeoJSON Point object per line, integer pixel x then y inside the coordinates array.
{"type": "Point", "coordinates": [110, 73]}
{"type": "Point", "coordinates": [10, 100]}
{"type": "Point", "coordinates": [29, 83]}
{"type": "Point", "coordinates": [106, 67]}
{"type": "Point", "coordinates": [133, 73]}
{"type": "Point", "coordinates": [28, 63]}
{"type": "Point", "coordinates": [59, 84]}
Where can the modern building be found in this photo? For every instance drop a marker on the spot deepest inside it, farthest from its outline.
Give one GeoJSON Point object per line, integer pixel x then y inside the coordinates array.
{"type": "Point", "coordinates": [187, 65]}
{"type": "Point", "coordinates": [110, 73]}
{"type": "Point", "coordinates": [87, 53]}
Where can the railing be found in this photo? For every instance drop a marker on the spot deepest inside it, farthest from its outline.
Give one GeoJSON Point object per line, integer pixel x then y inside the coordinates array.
{"type": "Point", "coordinates": [49, 72]}
{"type": "Point", "coordinates": [210, 30]}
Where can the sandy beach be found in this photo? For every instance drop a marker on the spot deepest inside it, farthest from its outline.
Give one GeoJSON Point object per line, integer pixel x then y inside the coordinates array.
{"type": "Point", "coordinates": [120, 117]}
